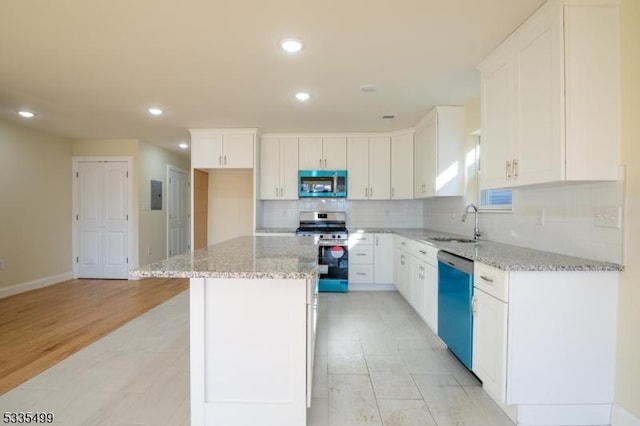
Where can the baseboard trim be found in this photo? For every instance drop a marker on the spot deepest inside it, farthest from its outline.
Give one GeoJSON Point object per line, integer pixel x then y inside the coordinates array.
{"type": "Point", "coordinates": [32, 285]}
{"type": "Point", "coordinates": [621, 417]}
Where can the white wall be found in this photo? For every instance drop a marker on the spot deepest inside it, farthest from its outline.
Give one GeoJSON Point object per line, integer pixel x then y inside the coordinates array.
{"type": "Point", "coordinates": [35, 206]}
{"type": "Point", "coordinates": [153, 223]}
{"type": "Point", "coordinates": [230, 212]}
{"type": "Point", "coordinates": [628, 354]}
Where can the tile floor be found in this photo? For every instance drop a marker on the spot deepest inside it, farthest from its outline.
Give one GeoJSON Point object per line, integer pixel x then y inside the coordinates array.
{"type": "Point", "coordinates": [377, 363]}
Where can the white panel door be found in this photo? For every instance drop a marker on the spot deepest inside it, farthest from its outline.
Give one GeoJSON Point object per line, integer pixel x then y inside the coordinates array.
{"type": "Point", "coordinates": [178, 212]}
{"type": "Point", "coordinates": [102, 220]}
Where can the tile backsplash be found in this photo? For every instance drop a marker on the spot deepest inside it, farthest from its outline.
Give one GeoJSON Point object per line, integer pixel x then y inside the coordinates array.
{"type": "Point", "coordinates": [365, 214]}
{"type": "Point", "coordinates": [579, 219]}
{"type": "Point", "coordinates": [560, 219]}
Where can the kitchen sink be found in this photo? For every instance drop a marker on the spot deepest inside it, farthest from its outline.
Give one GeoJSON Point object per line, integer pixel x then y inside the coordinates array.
{"type": "Point", "coordinates": [452, 239]}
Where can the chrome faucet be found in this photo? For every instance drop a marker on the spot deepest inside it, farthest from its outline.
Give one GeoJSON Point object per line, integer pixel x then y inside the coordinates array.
{"type": "Point", "coordinates": [476, 230]}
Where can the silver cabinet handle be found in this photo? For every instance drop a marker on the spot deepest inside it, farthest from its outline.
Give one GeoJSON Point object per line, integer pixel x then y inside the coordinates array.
{"type": "Point", "coordinates": [423, 252]}
{"type": "Point", "coordinates": [474, 306]}
{"type": "Point", "coordinates": [361, 254]}
{"type": "Point", "coordinates": [366, 192]}
{"type": "Point", "coordinates": [507, 170]}
{"type": "Point", "coordinates": [225, 160]}
{"type": "Point", "coordinates": [370, 192]}
{"type": "Point", "coordinates": [487, 279]}
{"type": "Point", "coordinates": [320, 164]}
{"type": "Point", "coordinates": [515, 169]}
{"type": "Point", "coordinates": [360, 273]}
{"type": "Point", "coordinates": [325, 163]}
{"type": "Point", "coordinates": [377, 242]}
{"type": "Point", "coordinates": [220, 160]}
{"type": "Point", "coordinates": [276, 192]}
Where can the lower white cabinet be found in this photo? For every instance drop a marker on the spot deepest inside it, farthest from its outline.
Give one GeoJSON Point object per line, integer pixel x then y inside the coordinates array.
{"type": "Point", "coordinates": [370, 261]}
{"type": "Point", "coordinates": [544, 343]}
{"type": "Point", "coordinates": [416, 277]}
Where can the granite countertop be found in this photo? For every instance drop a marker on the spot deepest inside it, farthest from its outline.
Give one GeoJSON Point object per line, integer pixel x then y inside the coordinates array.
{"type": "Point", "coordinates": [278, 257]}
{"type": "Point", "coordinates": [502, 256]}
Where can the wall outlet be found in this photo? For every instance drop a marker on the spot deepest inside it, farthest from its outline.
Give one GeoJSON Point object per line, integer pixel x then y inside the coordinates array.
{"type": "Point", "coordinates": [607, 216]}
{"type": "Point", "coordinates": [149, 251]}
{"type": "Point", "coordinates": [540, 216]}
{"type": "Point", "coordinates": [1, 264]}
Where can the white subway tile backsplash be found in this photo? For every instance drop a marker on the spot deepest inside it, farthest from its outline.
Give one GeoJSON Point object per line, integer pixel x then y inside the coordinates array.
{"type": "Point", "coordinates": [568, 228]}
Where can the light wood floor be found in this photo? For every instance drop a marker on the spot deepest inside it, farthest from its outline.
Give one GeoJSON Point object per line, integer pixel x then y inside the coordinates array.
{"type": "Point", "coordinates": [42, 327]}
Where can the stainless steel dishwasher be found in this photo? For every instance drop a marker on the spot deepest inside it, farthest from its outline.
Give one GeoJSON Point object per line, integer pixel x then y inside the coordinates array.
{"type": "Point", "coordinates": [455, 292]}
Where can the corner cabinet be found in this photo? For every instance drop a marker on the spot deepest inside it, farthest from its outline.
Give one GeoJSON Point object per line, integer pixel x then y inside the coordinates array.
{"type": "Point", "coordinates": [322, 153]}
{"type": "Point", "coordinates": [439, 153]}
{"type": "Point", "coordinates": [369, 168]}
{"type": "Point", "coordinates": [278, 168]}
{"type": "Point", "coordinates": [544, 343]}
{"type": "Point", "coordinates": [222, 148]}
{"type": "Point", "coordinates": [550, 98]}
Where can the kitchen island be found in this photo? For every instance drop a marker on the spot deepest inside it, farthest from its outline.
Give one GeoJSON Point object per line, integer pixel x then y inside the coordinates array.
{"type": "Point", "coordinates": [253, 309]}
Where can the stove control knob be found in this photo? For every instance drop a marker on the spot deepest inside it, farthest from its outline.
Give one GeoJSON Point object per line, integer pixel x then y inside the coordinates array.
{"type": "Point", "coordinates": [321, 236]}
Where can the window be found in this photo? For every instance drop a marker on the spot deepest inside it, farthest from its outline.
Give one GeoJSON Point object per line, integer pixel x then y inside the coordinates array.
{"type": "Point", "coordinates": [496, 199]}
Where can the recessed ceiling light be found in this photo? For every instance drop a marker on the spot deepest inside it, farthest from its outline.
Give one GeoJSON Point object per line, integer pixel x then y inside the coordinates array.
{"type": "Point", "coordinates": [183, 145]}
{"type": "Point", "coordinates": [291, 45]}
{"type": "Point", "coordinates": [155, 111]}
{"type": "Point", "coordinates": [26, 114]}
{"type": "Point", "coordinates": [302, 96]}
{"type": "Point", "coordinates": [388, 116]}
{"type": "Point", "coordinates": [368, 88]}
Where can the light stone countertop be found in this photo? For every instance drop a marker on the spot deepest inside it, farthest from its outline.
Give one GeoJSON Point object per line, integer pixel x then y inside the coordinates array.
{"type": "Point", "coordinates": [278, 257]}
{"type": "Point", "coordinates": [502, 256]}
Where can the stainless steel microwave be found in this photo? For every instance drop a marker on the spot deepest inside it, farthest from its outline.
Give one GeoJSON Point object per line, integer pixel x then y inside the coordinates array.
{"type": "Point", "coordinates": [322, 183]}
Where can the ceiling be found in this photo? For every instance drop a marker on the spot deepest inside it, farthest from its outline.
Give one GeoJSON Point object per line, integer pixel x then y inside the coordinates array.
{"type": "Point", "coordinates": [90, 70]}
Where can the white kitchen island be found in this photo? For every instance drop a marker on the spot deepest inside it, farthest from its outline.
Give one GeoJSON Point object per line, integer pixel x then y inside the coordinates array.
{"type": "Point", "coordinates": [253, 306]}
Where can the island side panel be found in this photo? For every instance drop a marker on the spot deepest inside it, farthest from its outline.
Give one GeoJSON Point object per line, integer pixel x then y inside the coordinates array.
{"type": "Point", "coordinates": [196, 355]}
{"type": "Point", "coordinates": [254, 352]}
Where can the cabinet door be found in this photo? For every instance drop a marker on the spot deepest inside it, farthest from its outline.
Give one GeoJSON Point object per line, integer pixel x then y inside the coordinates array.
{"type": "Point", "coordinates": [490, 343]}
{"type": "Point", "coordinates": [402, 167]}
{"type": "Point", "coordinates": [418, 286]}
{"type": "Point", "coordinates": [358, 168]}
{"type": "Point", "coordinates": [379, 168]}
{"type": "Point", "coordinates": [334, 153]}
{"type": "Point", "coordinates": [420, 163]}
{"type": "Point", "coordinates": [269, 168]}
{"type": "Point", "coordinates": [431, 297]}
{"type": "Point", "coordinates": [430, 163]}
{"type": "Point", "coordinates": [402, 273]}
{"type": "Point", "coordinates": [498, 121]}
{"type": "Point", "coordinates": [238, 151]}
{"type": "Point", "coordinates": [449, 152]}
{"type": "Point", "coordinates": [540, 141]}
{"type": "Point", "coordinates": [206, 150]}
{"type": "Point", "coordinates": [289, 168]}
{"type": "Point", "coordinates": [383, 258]}
{"type": "Point", "coordinates": [310, 153]}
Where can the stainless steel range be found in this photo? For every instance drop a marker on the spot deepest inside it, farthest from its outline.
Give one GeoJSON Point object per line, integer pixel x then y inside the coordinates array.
{"type": "Point", "coordinates": [330, 232]}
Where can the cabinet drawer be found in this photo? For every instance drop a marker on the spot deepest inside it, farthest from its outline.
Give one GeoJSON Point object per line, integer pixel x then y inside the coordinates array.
{"type": "Point", "coordinates": [361, 255]}
{"type": "Point", "coordinates": [425, 252]}
{"type": "Point", "coordinates": [361, 239]}
{"type": "Point", "coordinates": [361, 274]}
{"type": "Point", "coordinates": [492, 280]}
{"type": "Point", "coordinates": [402, 243]}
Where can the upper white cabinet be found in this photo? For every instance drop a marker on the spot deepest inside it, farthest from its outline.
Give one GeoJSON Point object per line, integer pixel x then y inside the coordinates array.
{"type": "Point", "coordinates": [369, 168]}
{"type": "Point", "coordinates": [318, 153]}
{"type": "Point", "coordinates": [222, 148]}
{"type": "Point", "coordinates": [402, 166]}
{"type": "Point", "coordinates": [439, 153]}
{"type": "Point", "coordinates": [278, 168]}
{"type": "Point", "coordinates": [550, 98]}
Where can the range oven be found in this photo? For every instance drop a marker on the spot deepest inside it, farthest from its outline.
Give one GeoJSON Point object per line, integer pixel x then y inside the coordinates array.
{"type": "Point", "coordinates": [332, 238]}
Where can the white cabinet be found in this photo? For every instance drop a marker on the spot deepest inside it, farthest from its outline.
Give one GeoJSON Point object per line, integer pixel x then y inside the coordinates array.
{"type": "Point", "coordinates": [416, 277]}
{"type": "Point", "coordinates": [536, 333]}
{"type": "Point", "coordinates": [322, 153]}
{"type": "Point", "coordinates": [550, 98]}
{"type": "Point", "coordinates": [222, 148]}
{"type": "Point", "coordinates": [439, 153]}
{"type": "Point", "coordinates": [278, 168]}
{"type": "Point", "coordinates": [369, 168]}
{"type": "Point", "coordinates": [402, 166]}
{"type": "Point", "coordinates": [371, 260]}
{"type": "Point", "coordinates": [490, 310]}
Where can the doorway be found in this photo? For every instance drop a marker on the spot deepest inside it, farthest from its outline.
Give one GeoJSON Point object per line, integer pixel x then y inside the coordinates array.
{"type": "Point", "coordinates": [101, 226]}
